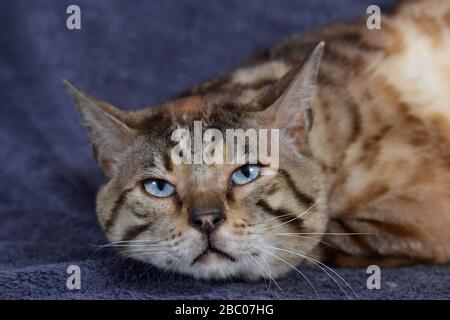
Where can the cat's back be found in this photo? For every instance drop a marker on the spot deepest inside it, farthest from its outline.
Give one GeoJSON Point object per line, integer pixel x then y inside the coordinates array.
{"type": "Point", "coordinates": [419, 63]}
{"type": "Point", "coordinates": [381, 128]}
{"type": "Point", "coordinates": [398, 90]}
{"type": "Point", "coordinates": [401, 95]}
{"type": "Point", "coordinates": [392, 173]}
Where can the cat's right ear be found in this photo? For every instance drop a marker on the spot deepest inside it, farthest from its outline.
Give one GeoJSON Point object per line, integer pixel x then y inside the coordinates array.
{"type": "Point", "coordinates": [294, 93]}
{"type": "Point", "coordinates": [106, 125]}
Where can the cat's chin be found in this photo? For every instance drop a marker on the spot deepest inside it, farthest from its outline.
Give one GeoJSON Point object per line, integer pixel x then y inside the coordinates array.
{"type": "Point", "coordinates": [217, 268]}
{"type": "Point", "coordinates": [214, 266]}
{"type": "Point", "coordinates": [212, 255]}
{"type": "Point", "coordinates": [226, 271]}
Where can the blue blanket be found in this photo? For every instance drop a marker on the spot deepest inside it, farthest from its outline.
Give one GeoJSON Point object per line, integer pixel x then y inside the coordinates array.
{"type": "Point", "coordinates": [133, 54]}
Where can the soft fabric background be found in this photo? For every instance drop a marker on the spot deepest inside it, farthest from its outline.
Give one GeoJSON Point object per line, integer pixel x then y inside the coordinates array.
{"type": "Point", "coordinates": [134, 54]}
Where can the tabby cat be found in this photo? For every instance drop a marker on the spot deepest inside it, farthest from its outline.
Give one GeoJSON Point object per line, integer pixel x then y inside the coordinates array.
{"type": "Point", "coordinates": [364, 163]}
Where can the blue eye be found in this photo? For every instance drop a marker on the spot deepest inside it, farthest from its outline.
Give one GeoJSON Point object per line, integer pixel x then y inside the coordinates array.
{"type": "Point", "coordinates": [246, 174]}
{"type": "Point", "coordinates": [158, 188]}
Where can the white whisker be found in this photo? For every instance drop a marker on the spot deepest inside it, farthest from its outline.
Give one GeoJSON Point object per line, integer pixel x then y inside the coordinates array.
{"type": "Point", "coordinates": [136, 245]}
{"type": "Point", "coordinates": [148, 242]}
{"type": "Point", "coordinates": [319, 264]}
{"type": "Point", "coordinates": [295, 218]}
{"type": "Point", "coordinates": [326, 233]}
{"type": "Point", "coordinates": [304, 236]}
{"type": "Point", "coordinates": [289, 264]}
{"type": "Point", "coordinates": [112, 244]}
{"type": "Point", "coordinates": [266, 271]}
{"type": "Point", "coordinates": [147, 254]}
{"type": "Point", "coordinates": [145, 250]}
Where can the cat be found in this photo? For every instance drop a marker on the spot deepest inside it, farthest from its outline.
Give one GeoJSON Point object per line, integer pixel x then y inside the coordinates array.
{"type": "Point", "coordinates": [364, 160]}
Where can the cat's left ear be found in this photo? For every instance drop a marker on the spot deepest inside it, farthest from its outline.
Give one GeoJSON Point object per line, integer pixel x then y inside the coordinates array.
{"type": "Point", "coordinates": [291, 112]}
{"type": "Point", "coordinates": [107, 127]}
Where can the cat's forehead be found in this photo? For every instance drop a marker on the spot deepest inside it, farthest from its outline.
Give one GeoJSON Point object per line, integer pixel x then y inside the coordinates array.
{"type": "Point", "coordinates": [216, 112]}
{"type": "Point", "coordinates": [153, 147]}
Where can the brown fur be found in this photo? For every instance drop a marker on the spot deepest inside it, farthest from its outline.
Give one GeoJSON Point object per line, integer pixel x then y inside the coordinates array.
{"type": "Point", "coordinates": [374, 146]}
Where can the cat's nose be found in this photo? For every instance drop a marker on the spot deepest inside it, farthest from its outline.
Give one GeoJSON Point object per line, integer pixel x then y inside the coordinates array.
{"type": "Point", "coordinates": [206, 221]}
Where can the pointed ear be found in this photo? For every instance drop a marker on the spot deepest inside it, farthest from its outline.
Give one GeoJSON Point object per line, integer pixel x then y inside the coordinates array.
{"type": "Point", "coordinates": [291, 112]}
{"type": "Point", "coordinates": [106, 125]}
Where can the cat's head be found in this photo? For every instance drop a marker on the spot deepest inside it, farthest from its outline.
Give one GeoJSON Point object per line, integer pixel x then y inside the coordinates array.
{"type": "Point", "coordinates": [211, 220]}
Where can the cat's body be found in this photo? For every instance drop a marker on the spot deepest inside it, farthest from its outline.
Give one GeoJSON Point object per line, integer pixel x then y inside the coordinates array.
{"type": "Point", "coordinates": [378, 150]}
{"type": "Point", "coordinates": [382, 132]}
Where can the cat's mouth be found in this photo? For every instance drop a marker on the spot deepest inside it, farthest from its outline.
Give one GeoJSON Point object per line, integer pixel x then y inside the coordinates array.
{"type": "Point", "coordinates": [212, 251]}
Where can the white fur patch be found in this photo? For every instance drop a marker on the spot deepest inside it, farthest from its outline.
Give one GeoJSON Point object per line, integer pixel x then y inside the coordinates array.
{"type": "Point", "coordinates": [266, 71]}
{"type": "Point", "coordinates": [421, 72]}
